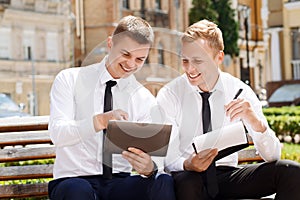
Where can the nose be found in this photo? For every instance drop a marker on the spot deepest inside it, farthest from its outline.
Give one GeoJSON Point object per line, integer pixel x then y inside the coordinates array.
{"type": "Point", "coordinates": [188, 67]}
{"type": "Point", "coordinates": [130, 62]}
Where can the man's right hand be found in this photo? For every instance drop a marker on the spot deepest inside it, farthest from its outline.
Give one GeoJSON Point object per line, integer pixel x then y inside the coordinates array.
{"type": "Point", "coordinates": [201, 161]}
{"type": "Point", "coordinates": [101, 120]}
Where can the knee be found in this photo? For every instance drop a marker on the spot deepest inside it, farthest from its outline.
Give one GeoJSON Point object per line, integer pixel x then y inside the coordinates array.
{"type": "Point", "coordinates": [189, 185]}
{"type": "Point", "coordinates": [289, 169]}
{"type": "Point", "coordinates": [164, 181]}
{"type": "Point", "coordinates": [73, 188]}
{"type": "Point", "coordinates": [188, 180]}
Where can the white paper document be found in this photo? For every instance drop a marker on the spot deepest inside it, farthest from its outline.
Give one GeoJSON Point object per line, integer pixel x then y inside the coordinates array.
{"type": "Point", "coordinates": [226, 137]}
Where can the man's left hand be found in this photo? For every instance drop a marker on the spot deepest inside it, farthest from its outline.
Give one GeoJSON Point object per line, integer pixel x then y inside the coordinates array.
{"type": "Point", "coordinates": [139, 160]}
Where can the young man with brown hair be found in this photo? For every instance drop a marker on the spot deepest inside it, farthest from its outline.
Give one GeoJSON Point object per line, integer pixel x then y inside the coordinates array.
{"type": "Point", "coordinates": [79, 116]}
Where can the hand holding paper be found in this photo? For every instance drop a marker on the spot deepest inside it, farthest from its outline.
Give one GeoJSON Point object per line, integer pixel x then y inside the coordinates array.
{"type": "Point", "coordinates": [227, 140]}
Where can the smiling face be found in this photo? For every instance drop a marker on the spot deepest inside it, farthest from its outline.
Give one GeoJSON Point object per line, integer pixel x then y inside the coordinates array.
{"type": "Point", "coordinates": [126, 56]}
{"type": "Point", "coordinates": [200, 63]}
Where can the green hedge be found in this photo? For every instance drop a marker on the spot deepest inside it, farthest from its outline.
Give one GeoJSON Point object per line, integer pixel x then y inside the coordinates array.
{"type": "Point", "coordinates": [285, 121]}
{"type": "Point", "coordinates": [279, 111]}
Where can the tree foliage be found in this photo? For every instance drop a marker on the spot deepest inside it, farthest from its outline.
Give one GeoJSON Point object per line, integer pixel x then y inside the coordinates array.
{"type": "Point", "coordinates": [202, 9]}
{"type": "Point", "coordinates": [220, 12]}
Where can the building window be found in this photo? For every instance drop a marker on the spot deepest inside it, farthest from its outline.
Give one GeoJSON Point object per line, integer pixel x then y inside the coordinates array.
{"type": "Point", "coordinates": [158, 4]}
{"type": "Point", "coordinates": [125, 4]}
{"type": "Point", "coordinates": [52, 46]}
{"type": "Point", "coordinates": [296, 43]}
{"type": "Point", "coordinates": [5, 43]}
{"type": "Point", "coordinates": [28, 43]}
{"type": "Point", "coordinates": [160, 54]}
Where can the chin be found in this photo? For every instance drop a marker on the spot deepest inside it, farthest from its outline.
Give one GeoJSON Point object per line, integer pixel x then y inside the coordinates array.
{"type": "Point", "coordinates": [194, 82]}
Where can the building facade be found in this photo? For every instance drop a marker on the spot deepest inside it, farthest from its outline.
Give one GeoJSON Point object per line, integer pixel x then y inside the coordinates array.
{"type": "Point", "coordinates": [35, 43]}
{"type": "Point", "coordinates": [282, 34]}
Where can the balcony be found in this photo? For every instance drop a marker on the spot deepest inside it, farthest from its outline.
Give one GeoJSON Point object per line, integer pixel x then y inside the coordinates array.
{"type": "Point", "coordinates": [296, 69]}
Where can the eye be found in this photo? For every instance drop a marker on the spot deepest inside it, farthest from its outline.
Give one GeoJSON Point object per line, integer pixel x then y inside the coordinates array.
{"type": "Point", "coordinates": [126, 54]}
{"type": "Point", "coordinates": [185, 60]}
{"type": "Point", "coordinates": [197, 62]}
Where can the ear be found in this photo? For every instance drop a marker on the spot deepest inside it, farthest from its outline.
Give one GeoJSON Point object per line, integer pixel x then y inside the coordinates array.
{"type": "Point", "coordinates": [220, 57]}
{"type": "Point", "coordinates": [109, 42]}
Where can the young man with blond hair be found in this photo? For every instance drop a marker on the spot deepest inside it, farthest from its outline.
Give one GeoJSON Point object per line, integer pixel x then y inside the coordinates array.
{"type": "Point", "coordinates": [205, 89]}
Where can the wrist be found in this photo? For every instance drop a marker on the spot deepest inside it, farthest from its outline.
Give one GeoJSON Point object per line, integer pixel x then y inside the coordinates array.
{"type": "Point", "coordinates": [259, 127]}
{"type": "Point", "coordinates": [101, 121]}
{"type": "Point", "coordinates": [153, 172]}
{"type": "Point", "coordinates": [186, 165]}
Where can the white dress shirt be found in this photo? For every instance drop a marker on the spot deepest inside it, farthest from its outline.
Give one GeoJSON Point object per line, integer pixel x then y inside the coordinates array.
{"type": "Point", "coordinates": [77, 94]}
{"type": "Point", "coordinates": [182, 105]}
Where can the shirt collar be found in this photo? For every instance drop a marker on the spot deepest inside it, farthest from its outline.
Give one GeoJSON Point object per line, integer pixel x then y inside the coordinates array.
{"type": "Point", "coordinates": [218, 87]}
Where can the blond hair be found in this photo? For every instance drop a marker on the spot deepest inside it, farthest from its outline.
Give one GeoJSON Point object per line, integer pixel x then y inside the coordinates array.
{"type": "Point", "coordinates": [207, 31]}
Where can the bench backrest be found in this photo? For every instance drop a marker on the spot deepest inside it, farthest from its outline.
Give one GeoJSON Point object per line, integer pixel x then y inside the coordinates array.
{"type": "Point", "coordinates": [24, 139]}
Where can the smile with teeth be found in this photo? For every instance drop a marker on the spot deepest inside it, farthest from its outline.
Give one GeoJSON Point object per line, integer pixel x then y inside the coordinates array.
{"type": "Point", "coordinates": [126, 69]}
{"type": "Point", "coordinates": [193, 76]}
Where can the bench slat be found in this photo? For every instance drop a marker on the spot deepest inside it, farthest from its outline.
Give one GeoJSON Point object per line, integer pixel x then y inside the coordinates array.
{"type": "Point", "coordinates": [13, 124]}
{"type": "Point", "coordinates": [24, 190]}
{"type": "Point", "coordinates": [249, 155]}
{"type": "Point", "coordinates": [26, 172]}
{"type": "Point", "coordinates": [24, 138]}
{"type": "Point", "coordinates": [27, 153]}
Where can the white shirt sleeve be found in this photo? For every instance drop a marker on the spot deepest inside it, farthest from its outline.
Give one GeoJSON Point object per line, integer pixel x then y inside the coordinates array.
{"type": "Point", "coordinates": [266, 143]}
{"type": "Point", "coordinates": [64, 130]}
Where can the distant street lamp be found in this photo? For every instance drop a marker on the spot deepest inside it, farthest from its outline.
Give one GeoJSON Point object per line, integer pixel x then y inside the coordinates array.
{"type": "Point", "coordinates": [34, 100]}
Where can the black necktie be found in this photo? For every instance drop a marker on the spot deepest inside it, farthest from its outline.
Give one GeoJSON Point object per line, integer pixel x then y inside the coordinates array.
{"type": "Point", "coordinates": [211, 177]}
{"type": "Point", "coordinates": [106, 156]}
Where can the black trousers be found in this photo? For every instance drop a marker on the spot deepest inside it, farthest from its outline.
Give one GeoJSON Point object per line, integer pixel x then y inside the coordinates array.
{"type": "Point", "coordinates": [250, 181]}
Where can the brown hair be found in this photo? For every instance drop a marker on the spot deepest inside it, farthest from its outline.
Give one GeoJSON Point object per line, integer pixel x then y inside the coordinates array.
{"type": "Point", "coordinates": [136, 28]}
{"type": "Point", "coordinates": [207, 31]}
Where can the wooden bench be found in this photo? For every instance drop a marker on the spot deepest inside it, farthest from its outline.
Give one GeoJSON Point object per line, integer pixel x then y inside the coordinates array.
{"type": "Point", "coordinates": [249, 155]}
{"type": "Point", "coordinates": [24, 139]}
{"type": "Point", "coordinates": [27, 139]}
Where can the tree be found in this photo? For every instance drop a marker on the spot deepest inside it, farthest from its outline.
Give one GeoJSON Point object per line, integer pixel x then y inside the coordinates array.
{"type": "Point", "coordinates": [202, 9]}
{"type": "Point", "coordinates": [228, 26]}
{"type": "Point", "coordinates": [220, 12]}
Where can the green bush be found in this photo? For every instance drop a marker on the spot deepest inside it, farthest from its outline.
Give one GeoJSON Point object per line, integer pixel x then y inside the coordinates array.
{"type": "Point", "coordinates": [279, 111]}
{"type": "Point", "coordinates": [285, 125]}
{"type": "Point", "coordinates": [285, 121]}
